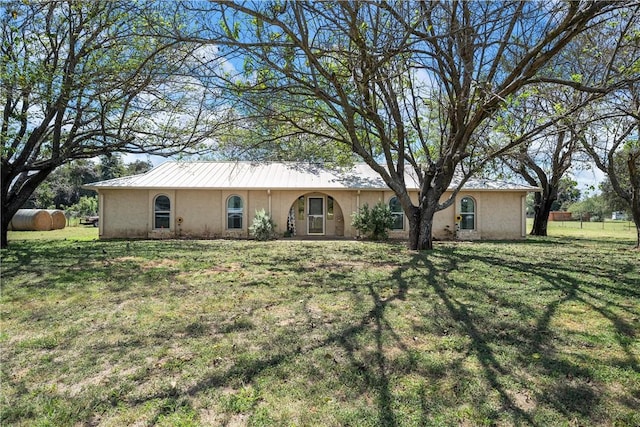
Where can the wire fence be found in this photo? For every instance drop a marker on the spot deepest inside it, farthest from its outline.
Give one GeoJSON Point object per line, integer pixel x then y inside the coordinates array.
{"type": "Point", "coordinates": [612, 225]}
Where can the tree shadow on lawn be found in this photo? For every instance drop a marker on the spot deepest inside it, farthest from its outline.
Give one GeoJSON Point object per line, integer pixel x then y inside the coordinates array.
{"type": "Point", "coordinates": [570, 289]}
{"type": "Point", "coordinates": [60, 259]}
{"type": "Point", "coordinates": [481, 343]}
{"type": "Point", "coordinates": [374, 374]}
{"type": "Point", "coordinates": [530, 335]}
{"type": "Point", "coordinates": [558, 383]}
{"type": "Point", "coordinates": [368, 360]}
{"type": "Point", "coordinates": [572, 392]}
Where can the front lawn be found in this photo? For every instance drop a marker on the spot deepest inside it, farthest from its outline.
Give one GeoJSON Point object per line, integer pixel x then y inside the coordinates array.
{"type": "Point", "coordinates": [320, 333]}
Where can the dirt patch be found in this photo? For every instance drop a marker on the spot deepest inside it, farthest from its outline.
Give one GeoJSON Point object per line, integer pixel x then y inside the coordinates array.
{"type": "Point", "coordinates": [214, 270]}
{"type": "Point", "coordinates": [349, 265]}
{"type": "Point", "coordinates": [522, 400]}
{"type": "Point", "coordinates": [145, 264]}
{"type": "Point", "coordinates": [100, 378]}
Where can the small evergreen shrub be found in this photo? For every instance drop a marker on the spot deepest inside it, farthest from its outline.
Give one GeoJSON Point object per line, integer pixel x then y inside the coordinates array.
{"type": "Point", "coordinates": [263, 227]}
{"type": "Point", "coordinates": [375, 222]}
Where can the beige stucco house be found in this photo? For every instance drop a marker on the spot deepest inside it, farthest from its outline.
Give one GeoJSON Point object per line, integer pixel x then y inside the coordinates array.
{"type": "Point", "coordinates": [219, 199]}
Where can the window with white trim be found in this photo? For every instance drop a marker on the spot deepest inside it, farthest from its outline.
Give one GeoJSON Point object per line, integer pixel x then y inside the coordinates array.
{"type": "Point", "coordinates": [467, 214]}
{"type": "Point", "coordinates": [234, 213]}
{"type": "Point", "coordinates": [162, 212]}
{"type": "Point", "coordinates": [397, 213]}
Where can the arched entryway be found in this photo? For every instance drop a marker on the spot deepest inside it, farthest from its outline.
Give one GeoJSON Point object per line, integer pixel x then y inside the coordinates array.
{"type": "Point", "coordinates": [315, 214]}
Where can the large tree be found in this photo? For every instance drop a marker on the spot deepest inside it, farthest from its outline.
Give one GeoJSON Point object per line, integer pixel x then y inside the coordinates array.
{"type": "Point", "coordinates": [614, 145]}
{"type": "Point", "coordinates": [547, 154]}
{"type": "Point", "coordinates": [406, 86]}
{"type": "Point", "coordinates": [613, 139]}
{"type": "Point", "coordinates": [79, 79]}
{"type": "Point", "coordinates": [592, 62]}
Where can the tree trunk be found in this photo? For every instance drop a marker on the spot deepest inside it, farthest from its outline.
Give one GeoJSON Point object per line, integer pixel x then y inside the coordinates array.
{"type": "Point", "coordinates": [8, 211]}
{"type": "Point", "coordinates": [635, 213]}
{"type": "Point", "coordinates": [637, 222]}
{"type": "Point", "coordinates": [542, 208]}
{"type": "Point", "coordinates": [421, 224]}
{"type": "Point", "coordinates": [426, 227]}
{"type": "Point", "coordinates": [414, 228]}
{"type": "Point", "coordinates": [14, 200]}
{"type": "Point", "coordinates": [4, 241]}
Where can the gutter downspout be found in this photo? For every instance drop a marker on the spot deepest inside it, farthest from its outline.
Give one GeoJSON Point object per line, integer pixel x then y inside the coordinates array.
{"type": "Point", "coordinates": [100, 214]}
{"type": "Point", "coordinates": [358, 209]}
{"type": "Point", "coordinates": [523, 216]}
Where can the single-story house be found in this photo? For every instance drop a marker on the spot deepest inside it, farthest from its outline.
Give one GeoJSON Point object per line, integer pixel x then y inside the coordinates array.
{"type": "Point", "coordinates": [219, 199]}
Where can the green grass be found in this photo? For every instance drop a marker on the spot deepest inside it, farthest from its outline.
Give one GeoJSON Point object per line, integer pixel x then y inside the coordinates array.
{"type": "Point", "coordinates": [293, 333]}
{"type": "Point", "coordinates": [75, 232]}
{"type": "Point", "coordinates": [608, 229]}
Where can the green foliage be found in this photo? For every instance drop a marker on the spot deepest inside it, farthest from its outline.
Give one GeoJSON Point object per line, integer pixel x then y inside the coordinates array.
{"type": "Point", "coordinates": [263, 227]}
{"type": "Point", "coordinates": [137, 167]}
{"type": "Point", "coordinates": [568, 193]}
{"type": "Point", "coordinates": [612, 199]}
{"type": "Point", "coordinates": [86, 206]}
{"type": "Point", "coordinates": [112, 166]}
{"type": "Point", "coordinates": [84, 79]}
{"type": "Point", "coordinates": [594, 206]}
{"type": "Point", "coordinates": [64, 186]}
{"type": "Point", "coordinates": [375, 222]}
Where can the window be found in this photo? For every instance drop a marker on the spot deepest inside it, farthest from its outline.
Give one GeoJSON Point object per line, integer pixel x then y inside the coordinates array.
{"type": "Point", "coordinates": [329, 207]}
{"type": "Point", "coordinates": [162, 212]}
{"type": "Point", "coordinates": [234, 213]}
{"type": "Point", "coordinates": [301, 207]}
{"type": "Point", "coordinates": [397, 213]}
{"type": "Point", "coordinates": [467, 214]}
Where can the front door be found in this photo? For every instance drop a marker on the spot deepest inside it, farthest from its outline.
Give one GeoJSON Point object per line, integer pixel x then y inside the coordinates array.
{"type": "Point", "coordinates": [315, 222]}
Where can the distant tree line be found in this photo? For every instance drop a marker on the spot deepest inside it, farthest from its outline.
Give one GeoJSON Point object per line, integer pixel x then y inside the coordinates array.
{"type": "Point", "coordinates": [63, 188]}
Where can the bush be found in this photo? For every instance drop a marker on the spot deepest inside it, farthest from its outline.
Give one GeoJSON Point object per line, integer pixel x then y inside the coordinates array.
{"type": "Point", "coordinates": [373, 222]}
{"type": "Point", "coordinates": [263, 227]}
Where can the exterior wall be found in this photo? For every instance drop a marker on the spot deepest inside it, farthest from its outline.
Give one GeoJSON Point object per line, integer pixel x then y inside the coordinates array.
{"type": "Point", "coordinates": [444, 221]}
{"type": "Point", "coordinates": [203, 213]}
{"type": "Point", "coordinates": [499, 215]}
{"type": "Point", "coordinates": [123, 214]}
{"type": "Point", "coordinates": [197, 210]}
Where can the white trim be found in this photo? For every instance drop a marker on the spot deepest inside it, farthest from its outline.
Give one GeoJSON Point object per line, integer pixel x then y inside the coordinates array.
{"type": "Point", "coordinates": [474, 214]}
{"type": "Point", "coordinates": [235, 210]}
{"type": "Point", "coordinates": [154, 212]}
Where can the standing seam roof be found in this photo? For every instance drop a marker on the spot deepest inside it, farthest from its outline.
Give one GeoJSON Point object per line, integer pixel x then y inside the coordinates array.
{"type": "Point", "coordinates": [249, 175]}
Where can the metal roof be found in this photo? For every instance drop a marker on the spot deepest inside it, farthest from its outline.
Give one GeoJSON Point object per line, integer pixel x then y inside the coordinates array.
{"type": "Point", "coordinates": [274, 176]}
